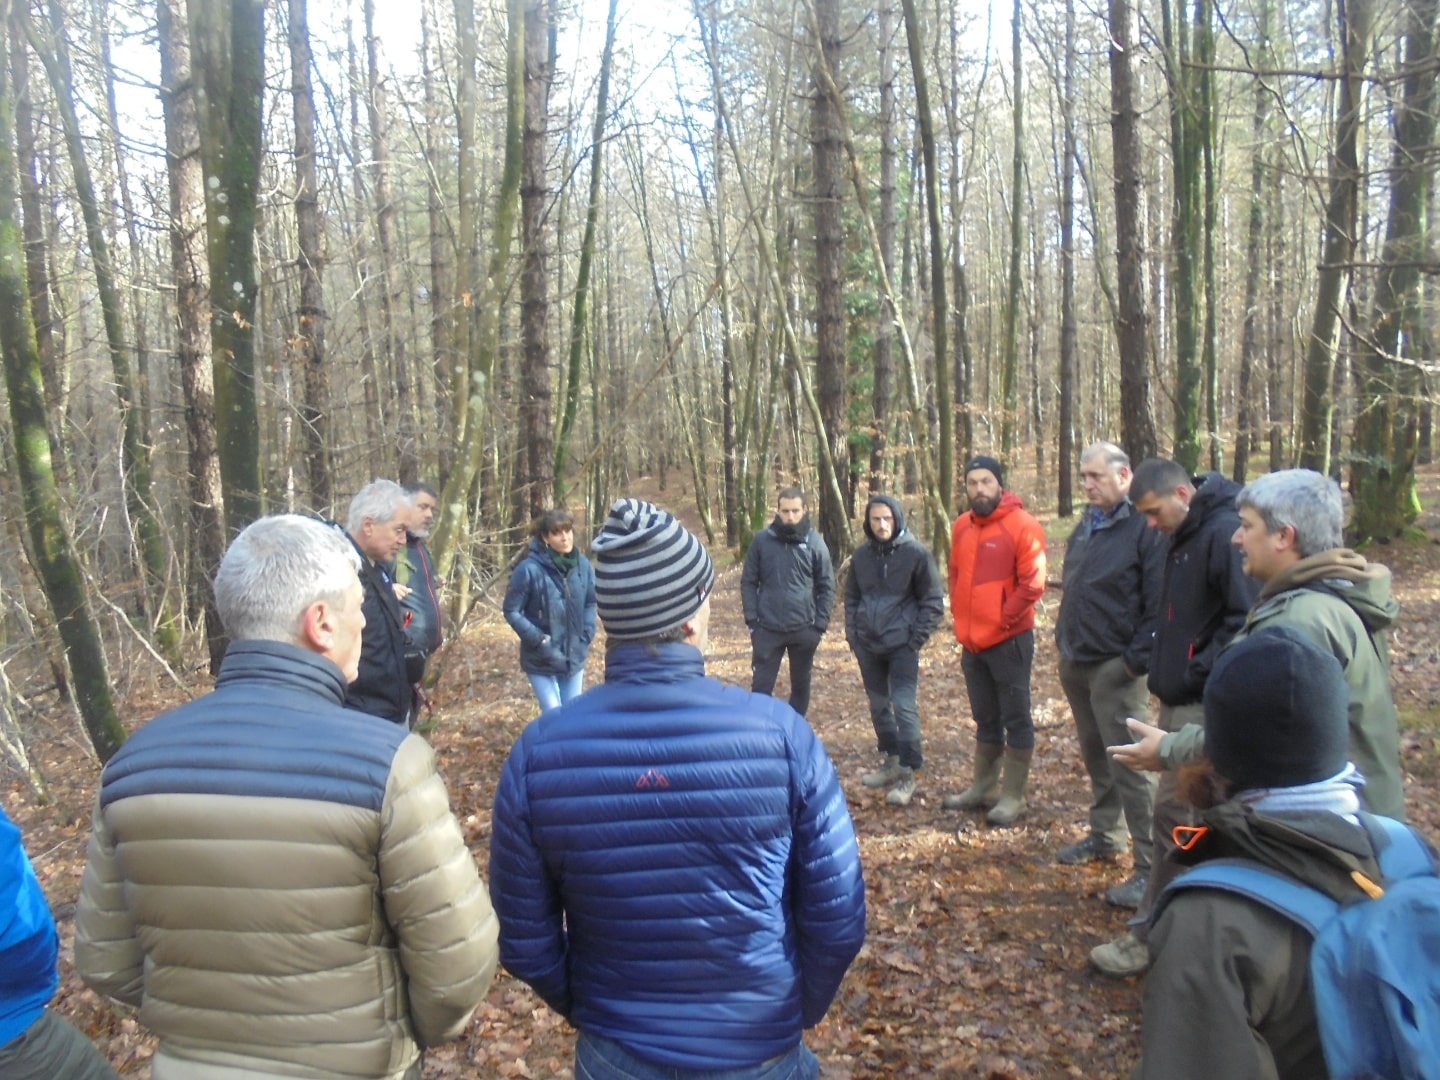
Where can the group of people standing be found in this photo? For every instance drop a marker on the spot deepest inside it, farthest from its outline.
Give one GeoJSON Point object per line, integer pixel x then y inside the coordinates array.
{"type": "Point", "coordinates": [277, 881]}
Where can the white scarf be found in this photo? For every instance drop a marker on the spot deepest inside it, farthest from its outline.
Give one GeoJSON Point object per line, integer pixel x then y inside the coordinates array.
{"type": "Point", "coordinates": [1339, 795]}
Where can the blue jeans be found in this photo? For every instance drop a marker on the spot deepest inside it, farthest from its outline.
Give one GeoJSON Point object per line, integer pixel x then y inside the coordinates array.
{"type": "Point", "coordinates": [552, 691]}
{"type": "Point", "coordinates": [890, 682]}
{"type": "Point", "coordinates": [599, 1058]}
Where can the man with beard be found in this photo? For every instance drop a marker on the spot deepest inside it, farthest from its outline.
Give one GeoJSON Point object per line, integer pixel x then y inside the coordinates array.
{"type": "Point", "coordinates": [787, 589]}
{"type": "Point", "coordinates": [997, 574]}
{"type": "Point", "coordinates": [894, 600]}
{"type": "Point", "coordinates": [415, 573]}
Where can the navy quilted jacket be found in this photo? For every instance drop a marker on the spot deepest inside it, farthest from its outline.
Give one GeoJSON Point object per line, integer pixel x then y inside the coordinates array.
{"type": "Point", "coordinates": [541, 602]}
{"type": "Point", "coordinates": [674, 865]}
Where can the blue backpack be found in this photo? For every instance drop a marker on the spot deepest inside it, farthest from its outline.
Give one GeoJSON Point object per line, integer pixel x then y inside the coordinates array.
{"type": "Point", "coordinates": [1375, 964]}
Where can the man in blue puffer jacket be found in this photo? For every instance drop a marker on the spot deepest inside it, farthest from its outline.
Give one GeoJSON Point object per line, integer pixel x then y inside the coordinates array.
{"type": "Point", "coordinates": [673, 862]}
{"type": "Point", "coordinates": [35, 1043]}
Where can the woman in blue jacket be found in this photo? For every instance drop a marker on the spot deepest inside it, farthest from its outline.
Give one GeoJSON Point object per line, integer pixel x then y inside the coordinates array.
{"type": "Point", "coordinates": [550, 604]}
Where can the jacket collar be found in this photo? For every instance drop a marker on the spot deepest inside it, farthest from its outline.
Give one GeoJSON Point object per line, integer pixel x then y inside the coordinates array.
{"type": "Point", "coordinates": [284, 666]}
{"type": "Point", "coordinates": [669, 663]}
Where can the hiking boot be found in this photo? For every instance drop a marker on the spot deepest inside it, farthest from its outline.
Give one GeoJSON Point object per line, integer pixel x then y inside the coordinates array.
{"type": "Point", "coordinates": [904, 789]}
{"type": "Point", "coordinates": [986, 788]}
{"type": "Point", "coordinates": [1012, 788]}
{"type": "Point", "coordinates": [1128, 893]}
{"type": "Point", "coordinates": [1126, 955]}
{"type": "Point", "coordinates": [884, 776]}
{"type": "Point", "coordinates": [1084, 851]}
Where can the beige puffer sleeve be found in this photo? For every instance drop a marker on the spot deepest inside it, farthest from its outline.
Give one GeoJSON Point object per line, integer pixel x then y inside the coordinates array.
{"type": "Point", "coordinates": [434, 898]}
{"type": "Point", "coordinates": [107, 952]}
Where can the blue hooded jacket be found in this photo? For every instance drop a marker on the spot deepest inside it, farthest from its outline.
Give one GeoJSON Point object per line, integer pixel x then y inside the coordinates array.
{"type": "Point", "coordinates": [28, 945]}
{"type": "Point", "coordinates": [674, 865]}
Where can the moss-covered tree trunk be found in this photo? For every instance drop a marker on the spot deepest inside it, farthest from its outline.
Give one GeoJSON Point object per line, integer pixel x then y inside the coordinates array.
{"type": "Point", "coordinates": [227, 42]}
{"type": "Point", "coordinates": [1382, 472]}
{"type": "Point", "coordinates": [149, 541]}
{"type": "Point", "coordinates": [55, 562]}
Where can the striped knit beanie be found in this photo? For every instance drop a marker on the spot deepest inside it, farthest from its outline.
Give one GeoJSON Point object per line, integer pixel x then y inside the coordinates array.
{"type": "Point", "coordinates": [651, 573]}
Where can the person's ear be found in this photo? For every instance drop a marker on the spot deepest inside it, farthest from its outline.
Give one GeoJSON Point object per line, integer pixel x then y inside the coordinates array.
{"type": "Point", "coordinates": [317, 627]}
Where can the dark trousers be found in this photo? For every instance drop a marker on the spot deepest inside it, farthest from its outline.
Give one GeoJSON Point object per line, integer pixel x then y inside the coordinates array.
{"type": "Point", "coordinates": [766, 649]}
{"type": "Point", "coordinates": [891, 680]}
{"type": "Point", "coordinates": [998, 680]}
{"type": "Point", "coordinates": [53, 1049]}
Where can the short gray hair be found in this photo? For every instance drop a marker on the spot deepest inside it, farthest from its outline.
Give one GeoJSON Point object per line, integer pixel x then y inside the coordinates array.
{"type": "Point", "coordinates": [275, 569]}
{"type": "Point", "coordinates": [379, 500]}
{"type": "Point", "coordinates": [1113, 455]}
{"type": "Point", "coordinates": [1309, 502]}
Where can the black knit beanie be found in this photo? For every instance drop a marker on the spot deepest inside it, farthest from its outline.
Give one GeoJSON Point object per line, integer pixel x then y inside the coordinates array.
{"type": "Point", "coordinates": [984, 461]}
{"type": "Point", "coordinates": [1276, 712]}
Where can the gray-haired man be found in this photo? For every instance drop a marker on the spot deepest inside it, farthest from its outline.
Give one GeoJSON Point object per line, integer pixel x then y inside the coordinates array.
{"type": "Point", "coordinates": [389, 665]}
{"type": "Point", "coordinates": [275, 881]}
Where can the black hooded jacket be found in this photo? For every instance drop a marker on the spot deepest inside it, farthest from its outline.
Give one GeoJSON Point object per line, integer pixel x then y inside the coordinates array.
{"type": "Point", "coordinates": [1206, 594]}
{"type": "Point", "coordinates": [894, 598]}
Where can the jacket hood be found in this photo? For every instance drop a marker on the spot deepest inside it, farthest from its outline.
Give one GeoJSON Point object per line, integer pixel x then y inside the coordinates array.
{"type": "Point", "coordinates": [894, 505]}
{"type": "Point", "coordinates": [1364, 585]}
{"type": "Point", "coordinates": [1214, 494]}
{"type": "Point", "coordinates": [1319, 848]}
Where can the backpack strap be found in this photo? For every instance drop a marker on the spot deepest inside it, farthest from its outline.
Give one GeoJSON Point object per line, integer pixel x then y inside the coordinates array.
{"type": "Point", "coordinates": [1398, 848]}
{"type": "Point", "coordinates": [1284, 895]}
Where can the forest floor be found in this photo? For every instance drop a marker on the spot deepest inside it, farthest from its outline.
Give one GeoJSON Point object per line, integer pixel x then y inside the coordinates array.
{"type": "Point", "coordinates": [976, 963]}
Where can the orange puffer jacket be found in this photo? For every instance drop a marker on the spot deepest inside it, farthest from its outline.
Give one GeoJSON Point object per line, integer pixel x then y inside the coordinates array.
{"type": "Point", "coordinates": [997, 573]}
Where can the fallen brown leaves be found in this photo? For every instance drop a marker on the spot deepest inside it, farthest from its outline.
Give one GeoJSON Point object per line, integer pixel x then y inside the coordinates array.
{"type": "Point", "coordinates": [977, 960]}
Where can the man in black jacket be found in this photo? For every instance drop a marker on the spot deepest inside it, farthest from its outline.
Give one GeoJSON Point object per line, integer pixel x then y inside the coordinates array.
{"type": "Point", "coordinates": [389, 667]}
{"type": "Point", "coordinates": [893, 601]}
{"type": "Point", "coordinates": [787, 589]}
{"type": "Point", "coordinates": [1204, 600]}
{"type": "Point", "coordinates": [1113, 569]}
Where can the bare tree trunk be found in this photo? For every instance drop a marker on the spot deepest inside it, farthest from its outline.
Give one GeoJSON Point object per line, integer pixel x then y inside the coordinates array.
{"type": "Point", "coordinates": [883, 390]}
{"type": "Point", "coordinates": [443, 311]}
{"type": "Point", "coordinates": [587, 257]}
{"type": "Point", "coordinates": [227, 42]}
{"type": "Point", "coordinates": [1069, 330]}
{"type": "Point", "coordinates": [135, 472]}
{"type": "Point", "coordinates": [55, 562]}
{"type": "Point", "coordinates": [1247, 425]}
{"type": "Point", "coordinates": [828, 202]}
{"type": "Point", "coordinates": [455, 498]}
{"type": "Point", "coordinates": [308, 341]}
{"type": "Point", "coordinates": [1317, 411]}
{"type": "Point", "coordinates": [1010, 363]}
{"type": "Point", "coordinates": [360, 267]}
{"type": "Point", "coordinates": [939, 519]}
{"type": "Point", "coordinates": [938, 296]}
{"type": "Point", "coordinates": [189, 264]}
{"type": "Point", "coordinates": [1133, 330]}
{"type": "Point", "coordinates": [392, 296]}
{"type": "Point", "coordinates": [536, 487]}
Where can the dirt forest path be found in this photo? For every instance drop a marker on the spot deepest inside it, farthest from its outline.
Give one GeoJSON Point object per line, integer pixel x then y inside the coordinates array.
{"type": "Point", "coordinates": [976, 963]}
